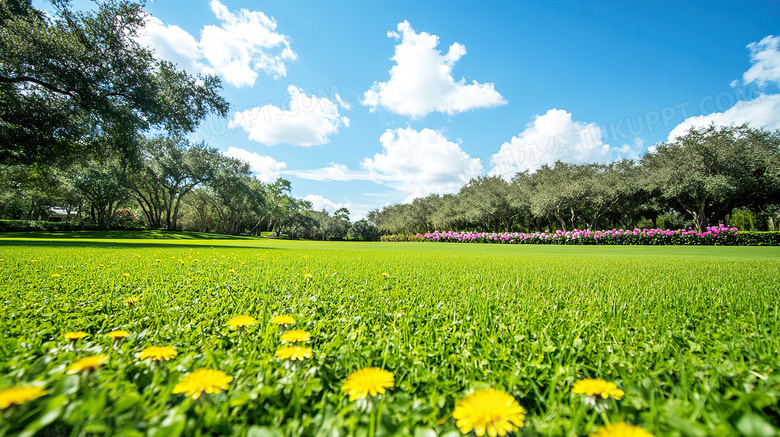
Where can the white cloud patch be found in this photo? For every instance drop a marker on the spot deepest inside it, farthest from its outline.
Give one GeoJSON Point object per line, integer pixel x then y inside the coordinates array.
{"type": "Point", "coordinates": [309, 121]}
{"type": "Point", "coordinates": [761, 112]}
{"type": "Point", "coordinates": [764, 111]}
{"type": "Point", "coordinates": [421, 81]}
{"type": "Point", "coordinates": [318, 203]}
{"type": "Point", "coordinates": [245, 43]}
{"type": "Point", "coordinates": [416, 163]}
{"type": "Point", "coordinates": [552, 137]}
{"type": "Point", "coordinates": [765, 57]}
{"type": "Point", "coordinates": [266, 169]}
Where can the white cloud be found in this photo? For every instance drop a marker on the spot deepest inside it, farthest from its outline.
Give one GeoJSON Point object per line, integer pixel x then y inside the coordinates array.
{"type": "Point", "coordinates": [761, 112]}
{"type": "Point", "coordinates": [309, 121]}
{"type": "Point", "coordinates": [765, 57]}
{"type": "Point", "coordinates": [764, 111]}
{"type": "Point", "coordinates": [266, 169]}
{"type": "Point", "coordinates": [414, 163]}
{"type": "Point", "coordinates": [318, 203]}
{"type": "Point", "coordinates": [421, 81]}
{"type": "Point", "coordinates": [243, 44]}
{"type": "Point", "coordinates": [552, 137]}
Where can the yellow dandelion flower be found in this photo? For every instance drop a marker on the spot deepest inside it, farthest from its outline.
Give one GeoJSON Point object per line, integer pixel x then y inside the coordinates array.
{"type": "Point", "coordinates": [620, 429]}
{"type": "Point", "coordinates": [87, 364]}
{"type": "Point", "coordinates": [367, 381]}
{"type": "Point", "coordinates": [118, 334]}
{"type": "Point", "coordinates": [158, 353]}
{"type": "Point", "coordinates": [56, 275]}
{"type": "Point", "coordinates": [297, 335]}
{"type": "Point", "coordinates": [283, 320]}
{"type": "Point", "coordinates": [307, 276]}
{"type": "Point", "coordinates": [488, 411]}
{"type": "Point", "coordinates": [131, 301]}
{"type": "Point", "coordinates": [19, 395]}
{"type": "Point", "coordinates": [74, 336]}
{"type": "Point", "coordinates": [293, 353]}
{"type": "Point", "coordinates": [202, 381]}
{"type": "Point", "coordinates": [241, 322]}
{"type": "Point", "coordinates": [385, 274]}
{"type": "Point", "coordinates": [126, 275]}
{"type": "Point", "coordinates": [598, 388]}
{"type": "Point", "coordinates": [231, 271]}
{"type": "Point", "coordinates": [33, 261]}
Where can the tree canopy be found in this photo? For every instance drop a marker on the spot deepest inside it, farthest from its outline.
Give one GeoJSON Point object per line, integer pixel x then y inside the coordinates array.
{"type": "Point", "coordinates": [79, 83]}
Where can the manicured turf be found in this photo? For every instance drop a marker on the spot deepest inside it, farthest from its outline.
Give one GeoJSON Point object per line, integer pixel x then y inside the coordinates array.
{"type": "Point", "coordinates": [686, 332]}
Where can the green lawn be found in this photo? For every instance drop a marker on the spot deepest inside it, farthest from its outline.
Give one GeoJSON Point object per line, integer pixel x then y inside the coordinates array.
{"type": "Point", "coordinates": [686, 332]}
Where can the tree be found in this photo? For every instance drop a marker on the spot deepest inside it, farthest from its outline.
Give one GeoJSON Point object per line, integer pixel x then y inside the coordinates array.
{"type": "Point", "coordinates": [486, 202]}
{"type": "Point", "coordinates": [102, 185]}
{"type": "Point", "coordinates": [78, 82]}
{"type": "Point", "coordinates": [170, 169]}
{"type": "Point", "coordinates": [707, 172]}
{"type": "Point", "coordinates": [363, 230]}
{"type": "Point", "coordinates": [237, 197]}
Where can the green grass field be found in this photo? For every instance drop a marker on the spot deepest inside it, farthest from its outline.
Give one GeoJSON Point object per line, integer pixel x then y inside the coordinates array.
{"type": "Point", "coordinates": [689, 333]}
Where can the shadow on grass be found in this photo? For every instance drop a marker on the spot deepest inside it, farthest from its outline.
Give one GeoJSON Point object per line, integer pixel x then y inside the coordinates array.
{"type": "Point", "coordinates": [125, 235]}
{"type": "Point", "coordinates": [123, 244]}
{"type": "Point", "coordinates": [133, 239]}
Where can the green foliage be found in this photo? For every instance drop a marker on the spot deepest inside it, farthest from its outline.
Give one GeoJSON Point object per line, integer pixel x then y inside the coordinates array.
{"type": "Point", "coordinates": [78, 83]}
{"type": "Point", "coordinates": [363, 230]}
{"type": "Point", "coordinates": [687, 333]}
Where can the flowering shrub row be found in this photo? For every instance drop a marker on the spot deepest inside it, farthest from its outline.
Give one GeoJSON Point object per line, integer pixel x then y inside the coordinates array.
{"type": "Point", "coordinates": [401, 237]}
{"type": "Point", "coordinates": [720, 235]}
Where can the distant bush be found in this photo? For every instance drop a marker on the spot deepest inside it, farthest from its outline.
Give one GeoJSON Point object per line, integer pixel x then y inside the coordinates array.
{"type": "Point", "coordinates": [401, 237]}
{"type": "Point", "coordinates": [37, 225]}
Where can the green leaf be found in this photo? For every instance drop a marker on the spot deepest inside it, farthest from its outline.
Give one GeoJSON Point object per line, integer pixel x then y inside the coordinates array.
{"type": "Point", "coordinates": [752, 425]}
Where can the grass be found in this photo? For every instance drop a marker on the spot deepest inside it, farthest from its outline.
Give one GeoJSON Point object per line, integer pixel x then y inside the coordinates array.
{"type": "Point", "coordinates": [686, 332]}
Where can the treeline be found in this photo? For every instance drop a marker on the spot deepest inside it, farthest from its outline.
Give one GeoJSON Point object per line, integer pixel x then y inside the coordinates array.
{"type": "Point", "coordinates": [172, 185]}
{"type": "Point", "coordinates": [711, 175]}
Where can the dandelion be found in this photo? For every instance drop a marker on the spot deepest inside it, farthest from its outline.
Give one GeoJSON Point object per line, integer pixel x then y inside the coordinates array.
{"type": "Point", "coordinates": [131, 301]}
{"type": "Point", "coordinates": [125, 275]}
{"type": "Point", "coordinates": [620, 429]}
{"type": "Point", "coordinates": [118, 334]}
{"type": "Point", "coordinates": [597, 391]}
{"type": "Point", "coordinates": [367, 381]}
{"type": "Point", "coordinates": [158, 353]}
{"type": "Point", "coordinates": [56, 275]}
{"type": "Point", "coordinates": [297, 335]}
{"type": "Point", "coordinates": [87, 364]}
{"type": "Point", "coordinates": [241, 322]}
{"type": "Point", "coordinates": [488, 411]}
{"type": "Point", "coordinates": [598, 388]}
{"type": "Point", "coordinates": [202, 381]}
{"type": "Point", "coordinates": [33, 261]}
{"type": "Point", "coordinates": [74, 336]}
{"type": "Point", "coordinates": [231, 271]}
{"type": "Point", "coordinates": [307, 276]}
{"type": "Point", "coordinates": [283, 320]}
{"type": "Point", "coordinates": [19, 395]}
{"type": "Point", "coordinates": [386, 275]}
{"type": "Point", "coordinates": [293, 353]}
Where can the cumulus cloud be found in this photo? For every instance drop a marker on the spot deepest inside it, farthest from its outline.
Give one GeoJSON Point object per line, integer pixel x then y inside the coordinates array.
{"type": "Point", "coordinates": [266, 169]}
{"type": "Point", "coordinates": [765, 57]}
{"type": "Point", "coordinates": [245, 43]}
{"type": "Point", "coordinates": [760, 112]}
{"type": "Point", "coordinates": [763, 112]}
{"type": "Point", "coordinates": [421, 81]}
{"type": "Point", "coordinates": [309, 121]}
{"type": "Point", "coordinates": [318, 203]}
{"type": "Point", "coordinates": [416, 163]}
{"type": "Point", "coordinates": [551, 137]}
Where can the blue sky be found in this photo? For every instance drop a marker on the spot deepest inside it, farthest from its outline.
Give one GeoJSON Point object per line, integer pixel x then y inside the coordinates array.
{"type": "Point", "coordinates": [475, 88]}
